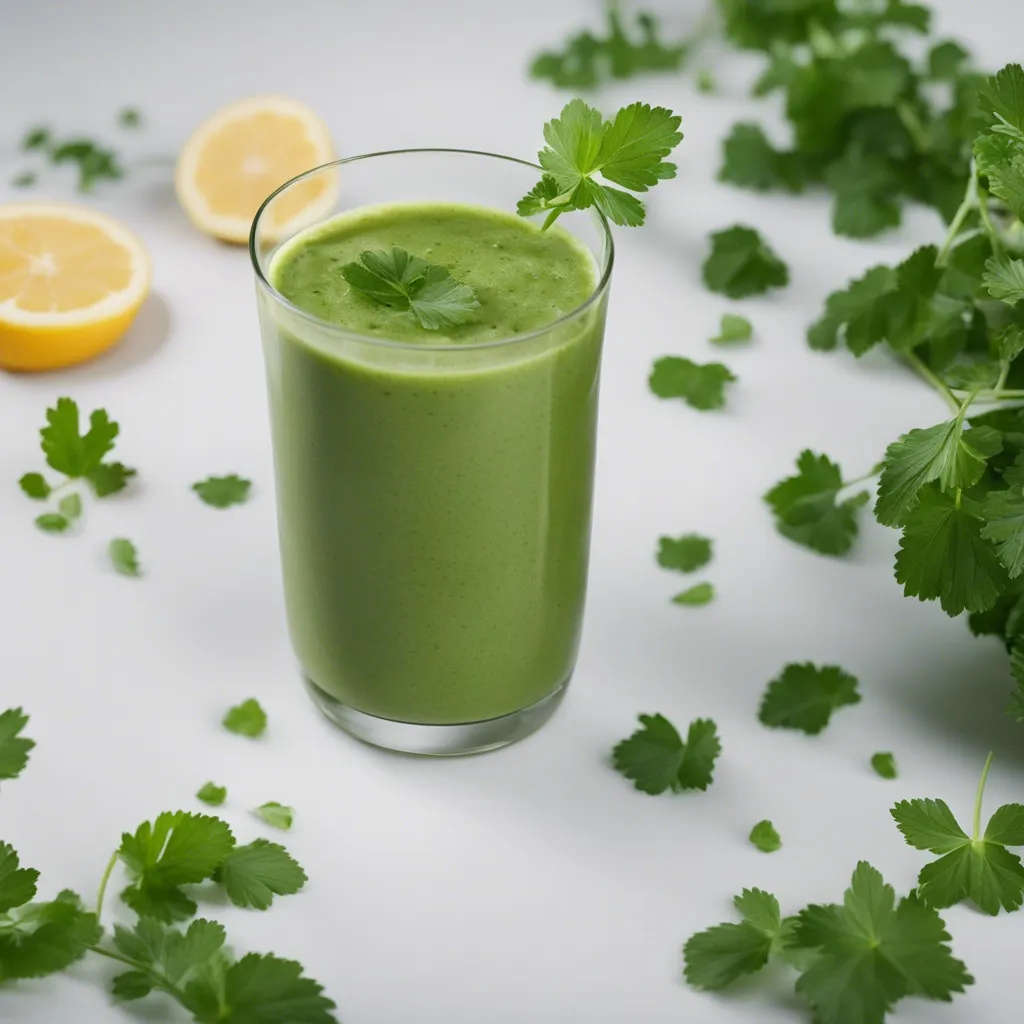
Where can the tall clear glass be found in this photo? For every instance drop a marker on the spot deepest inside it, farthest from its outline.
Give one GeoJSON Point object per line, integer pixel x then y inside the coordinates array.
{"type": "Point", "coordinates": [434, 500]}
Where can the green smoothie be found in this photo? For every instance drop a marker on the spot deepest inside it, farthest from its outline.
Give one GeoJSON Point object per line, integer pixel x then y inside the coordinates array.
{"type": "Point", "coordinates": [434, 495]}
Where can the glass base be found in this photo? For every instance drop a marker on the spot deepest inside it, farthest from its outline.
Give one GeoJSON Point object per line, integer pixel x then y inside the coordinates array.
{"type": "Point", "coordinates": [437, 740]}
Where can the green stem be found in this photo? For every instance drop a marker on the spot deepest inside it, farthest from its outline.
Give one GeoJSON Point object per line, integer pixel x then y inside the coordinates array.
{"type": "Point", "coordinates": [159, 980]}
{"type": "Point", "coordinates": [918, 364]}
{"type": "Point", "coordinates": [862, 479]}
{"type": "Point", "coordinates": [986, 220]}
{"type": "Point", "coordinates": [957, 223]}
{"type": "Point", "coordinates": [919, 136]}
{"type": "Point", "coordinates": [977, 800]}
{"type": "Point", "coordinates": [101, 895]}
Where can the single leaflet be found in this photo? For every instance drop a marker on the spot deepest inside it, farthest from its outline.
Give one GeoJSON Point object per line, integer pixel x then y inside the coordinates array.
{"type": "Point", "coordinates": [657, 758]}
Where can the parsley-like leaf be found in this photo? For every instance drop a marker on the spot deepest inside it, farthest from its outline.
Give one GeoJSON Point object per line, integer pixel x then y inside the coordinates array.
{"type": "Point", "coordinates": [1004, 279]}
{"type": "Point", "coordinates": [765, 837]}
{"type": "Point", "coordinates": [53, 522]}
{"type": "Point", "coordinates": [856, 313]}
{"type": "Point", "coordinates": [276, 815]}
{"type": "Point", "coordinates": [109, 478]}
{"type": "Point", "coordinates": [656, 758]}
{"type": "Point", "coordinates": [69, 451]}
{"type": "Point", "coordinates": [38, 137]}
{"type": "Point", "coordinates": [750, 161]}
{"type": "Point", "coordinates": [629, 150]}
{"type": "Point", "coordinates": [223, 491]}
{"type": "Point", "coordinates": [976, 867]}
{"type": "Point", "coordinates": [734, 329]}
{"type": "Point", "coordinates": [165, 954]}
{"type": "Point", "coordinates": [884, 765]}
{"type": "Point", "coordinates": [17, 884]}
{"type": "Point", "coordinates": [246, 719]}
{"type": "Point", "coordinates": [70, 506]}
{"type": "Point", "coordinates": [14, 748]}
{"type": "Point", "coordinates": [807, 509]}
{"type": "Point", "coordinates": [698, 594]}
{"type": "Point", "coordinates": [945, 60]}
{"type": "Point", "coordinates": [44, 938]}
{"type": "Point", "coordinates": [741, 263]}
{"type": "Point", "coordinates": [701, 386]}
{"type": "Point", "coordinates": [252, 875]}
{"type": "Point", "coordinates": [396, 278]}
{"type": "Point", "coordinates": [212, 794]}
{"type": "Point", "coordinates": [804, 696]}
{"type": "Point", "coordinates": [1002, 96]}
{"type": "Point", "coordinates": [684, 554]}
{"type": "Point", "coordinates": [124, 557]}
{"type": "Point", "coordinates": [1004, 526]}
{"type": "Point", "coordinates": [35, 486]}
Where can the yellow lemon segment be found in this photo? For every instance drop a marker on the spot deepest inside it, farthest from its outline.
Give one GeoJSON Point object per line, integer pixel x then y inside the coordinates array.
{"type": "Point", "coordinates": [71, 282]}
{"type": "Point", "coordinates": [237, 157]}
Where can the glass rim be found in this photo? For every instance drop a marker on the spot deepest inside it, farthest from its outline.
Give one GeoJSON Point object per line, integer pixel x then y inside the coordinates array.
{"type": "Point", "coordinates": [372, 339]}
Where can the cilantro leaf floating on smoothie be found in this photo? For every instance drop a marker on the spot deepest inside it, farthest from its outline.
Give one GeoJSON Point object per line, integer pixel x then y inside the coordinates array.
{"type": "Point", "coordinates": [629, 150]}
{"type": "Point", "coordinates": [398, 279]}
{"type": "Point", "coordinates": [656, 758]}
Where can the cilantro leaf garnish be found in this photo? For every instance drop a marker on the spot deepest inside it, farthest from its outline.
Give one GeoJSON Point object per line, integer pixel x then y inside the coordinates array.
{"type": "Point", "coordinates": [765, 837]}
{"type": "Point", "coordinates": [253, 874]}
{"type": "Point", "coordinates": [177, 849]}
{"type": "Point", "coordinates": [976, 867]}
{"type": "Point", "coordinates": [807, 509]}
{"type": "Point", "coordinates": [866, 189]}
{"type": "Point", "coordinates": [37, 939]}
{"type": "Point", "coordinates": [735, 329]}
{"type": "Point", "coordinates": [109, 478]}
{"type": "Point", "coordinates": [872, 953]}
{"type": "Point", "coordinates": [212, 794]}
{"type": "Point", "coordinates": [276, 815]}
{"type": "Point", "coordinates": [124, 557]}
{"type": "Point", "coordinates": [684, 554]}
{"type": "Point", "coordinates": [223, 491]}
{"type": "Point", "coordinates": [397, 278]}
{"type": "Point", "coordinates": [884, 765]}
{"type": "Point", "coordinates": [749, 160]}
{"type": "Point", "coordinates": [629, 150]}
{"type": "Point", "coordinates": [165, 958]}
{"type": "Point", "coordinates": [656, 758]}
{"type": "Point", "coordinates": [14, 748]}
{"type": "Point", "coordinates": [17, 884]}
{"type": "Point", "coordinates": [1004, 279]}
{"type": "Point", "coordinates": [246, 719]}
{"type": "Point", "coordinates": [741, 263]}
{"type": "Point", "coordinates": [35, 486]}
{"type": "Point", "coordinates": [698, 594]}
{"type": "Point", "coordinates": [700, 386]}
{"type": "Point", "coordinates": [804, 696]}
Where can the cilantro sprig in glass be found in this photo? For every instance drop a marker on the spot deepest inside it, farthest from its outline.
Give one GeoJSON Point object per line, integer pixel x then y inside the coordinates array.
{"type": "Point", "coordinates": [433, 363]}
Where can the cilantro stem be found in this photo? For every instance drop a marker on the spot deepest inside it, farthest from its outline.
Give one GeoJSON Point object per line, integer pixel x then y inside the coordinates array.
{"type": "Point", "coordinates": [917, 132]}
{"type": "Point", "coordinates": [986, 220]}
{"type": "Point", "coordinates": [875, 470]}
{"type": "Point", "coordinates": [963, 210]}
{"type": "Point", "coordinates": [101, 895]}
{"type": "Point", "coordinates": [917, 363]}
{"type": "Point", "coordinates": [981, 792]}
{"type": "Point", "coordinates": [159, 980]}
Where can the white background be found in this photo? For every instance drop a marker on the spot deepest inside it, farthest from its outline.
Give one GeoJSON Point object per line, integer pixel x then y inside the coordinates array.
{"type": "Point", "coordinates": [533, 884]}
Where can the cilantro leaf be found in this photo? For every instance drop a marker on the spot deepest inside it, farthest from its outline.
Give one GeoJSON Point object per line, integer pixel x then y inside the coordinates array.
{"type": "Point", "coordinates": [223, 491]}
{"type": "Point", "coordinates": [164, 954]}
{"type": "Point", "coordinates": [246, 719]}
{"type": "Point", "coordinates": [629, 150]}
{"type": "Point", "coordinates": [806, 508]}
{"type": "Point", "coordinates": [865, 190]}
{"type": "Point", "coordinates": [1004, 526]}
{"type": "Point", "coordinates": [698, 594]}
{"type": "Point", "coordinates": [884, 765]}
{"type": "Point", "coordinates": [804, 696]}
{"type": "Point", "coordinates": [741, 263]}
{"type": "Point", "coordinates": [717, 957]}
{"type": "Point", "coordinates": [276, 815]}
{"type": "Point", "coordinates": [1002, 96]}
{"type": "Point", "coordinates": [656, 758]}
{"type": "Point", "coordinates": [979, 867]}
{"type": "Point", "coordinates": [129, 117]}
{"type": "Point", "coordinates": [252, 875]}
{"type": "Point", "coordinates": [765, 837]}
{"type": "Point", "coordinates": [750, 161]}
{"type": "Point", "coordinates": [1016, 708]}
{"type": "Point", "coordinates": [1004, 279]}
{"type": "Point", "coordinates": [212, 794]}
{"type": "Point", "coordinates": [44, 938]}
{"type": "Point", "coordinates": [685, 554]}
{"type": "Point", "coordinates": [946, 453]}
{"type": "Point", "coordinates": [700, 386]}
{"type": "Point", "coordinates": [734, 329]}
{"type": "Point", "coordinates": [53, 522]}
{"type": "Point", "coordinates": [70, 506]}
{"type": "Point", "coordinates": [124, 557]}
{"type": "Point", "coordinates": [109, 478]}
{"type": "Point", "coordinates": [855, 312]}
{"type": "Point", "coordinates": [38, 137]}
{"type": "Point", "coordinates": [35, 485]}
{"type": "Point", "coordinates": [69, 451]}
{"type": "Point", "coordinates": [177, 849]}
{"type": "Point", "coordinates": [942, 555]}
{"type": "Point", "coordinates": [17, 884]}
{"type": "Point", "coordinates": [14, 748]}
{"type": "Point", "coordinates": [873, 953]}
{"type": "Point", "coordinates": [945, 59]}
{"type": "Point", "coordinates": [94, 162]}
{"type": "Point", "coordinates": [398, 279]}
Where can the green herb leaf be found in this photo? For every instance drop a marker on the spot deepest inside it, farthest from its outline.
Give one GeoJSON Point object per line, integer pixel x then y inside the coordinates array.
{"type": "Point", "coordinates": [698, 594]}
{"type": "Point", "coordinates": [764, 836]}
{"type": "Point", "coordinates": [69, 451]}
{"type": "Point", "coordinates": [14, 748]}
{"type": "Point", "coordinates": [684, 554]}
{"type": "Point", "coordinates": [35, 486]}
{"type": "Point", "coordinates": [51, 522]}
{"type": "Point", "coordinates": [164, 954]}
{"type": "Point", "coordinates": [212, 794]}
{"type": "Point", "coordinates": [399, 279]}
{"type": "Point", "coordinates": [94, 162]}
{"type": "Point", "coordinates": [855, 313]}
{"type": "Point", "coordinates": [1004, 527]}
{"type": "Point", "coordinates": [252, 875]}
{"type": "Point", "coordinates": [17, 884]}
{"type": "Point", "coordinates": [734, 329]}
{"type": "Point", "coordinates": [246, 719]}
{"type": "Point", "coordinates": [45, 938]}
{"type": "Point", "coordinates": [807, 509]}
{"type": "Point", "coordinates": [884, 765]}
{"type": "Point", "coordinates": [109, 478]}
{"type": "Point", "coordinates": [700, 386]}
{"type": "Point", "coordinates": [124, 557]}
{"type": "Point", "coordinates": [70, 506]}
{"type": "Point", "coordinates": [129, 117]}
{"type": "Point", "coordinates": [749, 160]}
{"type": "Point", "coordinates": [276, 815]}
{"type": "Point", "coordinates": [223, 491]}
{"type": "Point", "coordinates": [1004, 279]}
{"type": "Point", "coordinates": [866, 191]}
{"type": "Point", "coordinates": [741, 263]}
{"type": "Point", "coordinates": [804, 696]}
{"type": "Point", "coordinates": [946, 59]}
{"type": "Point", "coordinates": [24, 180]}
{"type": "Point", "coordinates": [1002, 96]}
{"type": "Point", "coordinates": [38, 137]}
{"type": "Point", "coordinates": [656, 758]}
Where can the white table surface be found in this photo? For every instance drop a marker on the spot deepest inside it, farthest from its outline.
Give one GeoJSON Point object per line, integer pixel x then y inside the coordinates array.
{"type": "Point", "coordinates": [533, 884]}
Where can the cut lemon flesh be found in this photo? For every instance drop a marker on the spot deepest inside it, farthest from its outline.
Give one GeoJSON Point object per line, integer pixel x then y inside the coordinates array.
{"type": "Point", "coordinates": [71, 282]}
{"type": "Point", "coordinates": [241, 154]}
